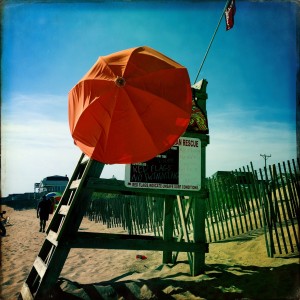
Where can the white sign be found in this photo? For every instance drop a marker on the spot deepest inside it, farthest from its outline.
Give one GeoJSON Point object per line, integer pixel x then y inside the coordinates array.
{"type": "Point", "coordinates": [179, 168]}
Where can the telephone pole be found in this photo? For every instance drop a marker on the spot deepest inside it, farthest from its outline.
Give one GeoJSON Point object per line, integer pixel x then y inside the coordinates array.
{"type": "Point", "coordinates": [265, 157]}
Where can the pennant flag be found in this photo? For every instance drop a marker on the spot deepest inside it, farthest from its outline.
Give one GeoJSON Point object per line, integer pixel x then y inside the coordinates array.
{"type": "Point", "coordinates": [229, 14]}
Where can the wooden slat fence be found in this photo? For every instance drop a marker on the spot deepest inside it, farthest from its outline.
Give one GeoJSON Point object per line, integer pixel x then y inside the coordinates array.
{"type": "Point", "coordinates": [136, 214]}
{"type": "Point", "coordinates": [240, 201]}
{"type": "Point", "coordinates": [245, 200]}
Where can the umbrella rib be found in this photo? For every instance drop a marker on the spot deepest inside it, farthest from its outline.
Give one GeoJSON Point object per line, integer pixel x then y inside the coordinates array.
{"type": "Point", "coordinates": [144, 77]}
{"type": "Point", "coordinates": [160, 98]}
{"type": "Point", "coordinates": [82, 115]}
{"type": "Point", "coordinates": [109, 68]}
{"type": "Point", "coordinates": [130, 102]}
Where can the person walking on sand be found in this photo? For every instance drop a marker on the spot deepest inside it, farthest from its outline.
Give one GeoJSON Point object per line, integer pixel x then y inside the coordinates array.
{"type": "Point", "coordinates": [2, 221]}
{"type": "Point", "coordinates": [43, 211]}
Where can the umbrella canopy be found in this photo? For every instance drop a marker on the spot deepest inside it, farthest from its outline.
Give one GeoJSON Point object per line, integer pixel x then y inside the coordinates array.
{"type": "Point", "coordinates": [130, 106]}
{"type": "Point", "coordinates": [55, 195]}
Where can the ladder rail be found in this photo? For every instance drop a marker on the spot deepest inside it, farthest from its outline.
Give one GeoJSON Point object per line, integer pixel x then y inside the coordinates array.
{"type": "Point", "coordinates": [65, 222]}
{"type": "Point", "coordinates": [65, 199]}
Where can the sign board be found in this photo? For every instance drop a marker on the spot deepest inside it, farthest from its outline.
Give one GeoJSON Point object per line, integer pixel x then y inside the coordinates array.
{"type": "Point", "coordinates": [179, 168]}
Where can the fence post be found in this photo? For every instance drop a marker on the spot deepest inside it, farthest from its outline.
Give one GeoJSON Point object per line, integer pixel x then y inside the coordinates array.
{"type": "Point", "coordinates": [266, 215]}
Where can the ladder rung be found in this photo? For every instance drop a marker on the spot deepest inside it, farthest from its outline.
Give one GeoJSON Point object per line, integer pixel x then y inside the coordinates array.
{"type": "Point", "coordinates": [75, 184]}
{"type": "Point", "coordinates": [49, 263]}
{"type": "Point", "coordinates": [52, 237]}
{"type": "Point", "coordinates": [26, 293]}
{"type": "Point", "coordinates": [84, 160]}
{"type": "Point", "coordinates": [40, 266]}
{"type": "Point", "coordinates": [64, 210]}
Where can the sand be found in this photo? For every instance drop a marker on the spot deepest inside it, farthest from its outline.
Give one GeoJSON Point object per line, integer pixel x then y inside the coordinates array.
{"type": "Point", "coordinates": [236, 269]}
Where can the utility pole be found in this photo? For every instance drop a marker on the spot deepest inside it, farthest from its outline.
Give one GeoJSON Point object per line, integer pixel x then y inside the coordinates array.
{"type": "Point", "coordinates": [265, 157]}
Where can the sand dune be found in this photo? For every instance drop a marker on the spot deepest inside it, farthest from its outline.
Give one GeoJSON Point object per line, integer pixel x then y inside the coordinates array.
{"type": "Point", "coordinates": [237, 269]}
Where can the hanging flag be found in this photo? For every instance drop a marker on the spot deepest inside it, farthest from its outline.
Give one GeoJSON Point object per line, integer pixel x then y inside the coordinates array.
{"type": "Point", "coordinates": [229, 14]}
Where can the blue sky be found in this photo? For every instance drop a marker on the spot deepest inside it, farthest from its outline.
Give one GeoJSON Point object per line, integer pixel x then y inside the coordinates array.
{"type": "Point", "coordinates": [48, 47]}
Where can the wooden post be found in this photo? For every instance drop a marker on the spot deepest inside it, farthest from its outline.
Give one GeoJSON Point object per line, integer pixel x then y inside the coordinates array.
{"type": "Point", "coordinates": [200, 212]}
{"type": "Point", "coordinates": [168, 226]}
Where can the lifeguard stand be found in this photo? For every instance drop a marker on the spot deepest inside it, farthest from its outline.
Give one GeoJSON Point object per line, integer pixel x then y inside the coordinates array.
{"type": "Point", "coordinates": [63, 234]}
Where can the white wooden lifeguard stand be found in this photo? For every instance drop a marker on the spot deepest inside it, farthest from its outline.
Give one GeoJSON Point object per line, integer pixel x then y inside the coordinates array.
{"type": "Point", "coordinates": [63, 234]}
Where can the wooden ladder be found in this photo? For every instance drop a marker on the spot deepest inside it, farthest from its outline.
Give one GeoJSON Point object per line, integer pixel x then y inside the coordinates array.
{"type": "Point", "coordinates": [65, 223]}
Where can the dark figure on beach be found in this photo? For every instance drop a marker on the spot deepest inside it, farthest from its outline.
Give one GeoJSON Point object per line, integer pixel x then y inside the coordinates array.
{"type": "Point", "coordinates": [2, 221]}
{"type": "Point", "coordinates": [43, 211]}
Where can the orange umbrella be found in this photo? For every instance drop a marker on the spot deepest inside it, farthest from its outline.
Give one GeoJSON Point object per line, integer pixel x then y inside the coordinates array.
{"type": "Point", "coordinates": [130, 106]}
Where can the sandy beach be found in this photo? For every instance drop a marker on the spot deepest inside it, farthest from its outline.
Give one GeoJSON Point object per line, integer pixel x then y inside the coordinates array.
{"type": "Point", "coordinates": [235, 269]}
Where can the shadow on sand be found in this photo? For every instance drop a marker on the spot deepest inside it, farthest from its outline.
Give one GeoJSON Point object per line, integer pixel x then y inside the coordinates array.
{"type": "Point", "coordinates": [218, 282]}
